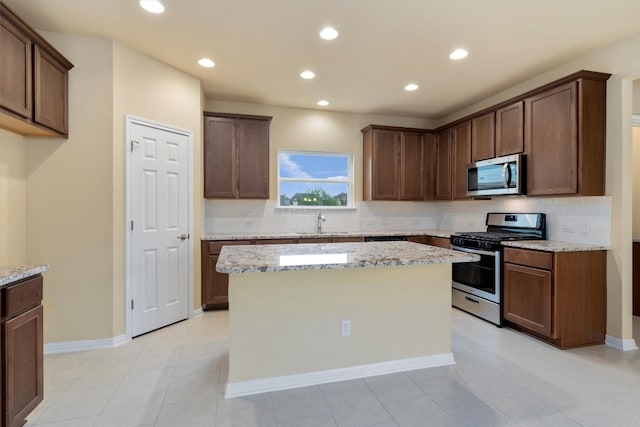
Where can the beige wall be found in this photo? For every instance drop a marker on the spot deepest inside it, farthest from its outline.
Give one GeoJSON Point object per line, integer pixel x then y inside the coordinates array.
{"type": "Point", "coordinates": [75, 187]}
{"type": "Point", "coordinates": [13, 177]}
{"type": "Point", "coordinates": [636, 183]}
{"type": "Point", "coordinates": [314, 130]}
{"type": "Point", "coordinates": [69, 203]}
{"type": "Point", "coordinates": [621, 60]}
{"type": "Point", "coordinates": [147, 89]}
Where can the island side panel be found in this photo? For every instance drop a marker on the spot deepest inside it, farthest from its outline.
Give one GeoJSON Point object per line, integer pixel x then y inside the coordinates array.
{"type": "Point", "coordinates": [286, 323]}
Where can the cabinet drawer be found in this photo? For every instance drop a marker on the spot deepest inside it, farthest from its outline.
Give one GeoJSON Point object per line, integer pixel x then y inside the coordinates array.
{"type": "Point", "coordinates": [21, 297]}
{"type": "Point", "coordinates": [214, 247]}
{"type": "Point", "coordinates": [531, 258]}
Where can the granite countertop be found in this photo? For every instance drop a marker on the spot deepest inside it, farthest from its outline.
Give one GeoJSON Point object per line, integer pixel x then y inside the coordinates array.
{"type": "Point", "coordinates": [317, 256]}
{"type": "Point", "coordinates": [13, 273]}
{"type": "Point", "coordinates": [555, 246]}
{"type": "Point", "coordinates": [304, 235]}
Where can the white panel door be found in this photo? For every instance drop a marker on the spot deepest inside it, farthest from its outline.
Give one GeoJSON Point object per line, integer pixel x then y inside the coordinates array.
{"type": "Point", "coordinates": [159, 198]}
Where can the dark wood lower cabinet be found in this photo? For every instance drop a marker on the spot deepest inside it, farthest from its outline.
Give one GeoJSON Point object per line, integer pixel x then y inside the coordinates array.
{"type": "Point", "coordinates": [23, 366]}
{"type": "Point", "coordinates": [441, 242]}
{"type": "Point", "coordinates": [558, 297]}
{"type": "Point", "coordinates": [22, 351]}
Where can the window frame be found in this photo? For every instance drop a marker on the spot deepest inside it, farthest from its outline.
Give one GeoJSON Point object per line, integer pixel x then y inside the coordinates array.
{"type": "Point", "coordinates": [349, 181]}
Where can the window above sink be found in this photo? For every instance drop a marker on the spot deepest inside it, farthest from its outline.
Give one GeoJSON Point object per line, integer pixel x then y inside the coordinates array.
{"type": "Point", "coordinates": [309, 179]}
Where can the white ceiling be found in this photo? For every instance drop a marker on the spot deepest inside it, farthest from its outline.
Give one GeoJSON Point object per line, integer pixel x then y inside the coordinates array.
{"type": "Point", "coordinates": [261, 46]}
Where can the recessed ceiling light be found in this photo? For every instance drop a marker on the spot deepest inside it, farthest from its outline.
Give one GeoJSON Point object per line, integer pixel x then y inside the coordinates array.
{"type": "Point", "coordinates": [323, 103]}
{"type": "Point", "coordinates": [458, 54]}
{"type": "Point", "coordinates": [307, 74]}
{"type": "Point", "coordinates": [206, 62]}
{"type": "Point", "coordinates": [411, 87]}
{"type": "Point", "coordinates": [153, 6]}
{"type": "Point", "coordinates": [329, 33]}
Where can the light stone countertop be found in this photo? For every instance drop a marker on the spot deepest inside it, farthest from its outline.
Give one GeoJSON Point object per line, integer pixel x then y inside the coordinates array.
{"type": "Point", "coordinates": [10, 274]}
{"type": "Point", "coordinates": [304, 235]}
{"type": "Point", "coordinates": [318, 256]}
{"type": "Point", "coordinates": [555, 246]}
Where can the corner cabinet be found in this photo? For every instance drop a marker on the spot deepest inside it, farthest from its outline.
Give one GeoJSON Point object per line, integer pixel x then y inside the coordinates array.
{"type": "Point", "coordinates": [22, 350]}
{"type": "Point", "coordinates": [236, 156]}
{"type": "Point", "coordinates": [34, 83]}
{"type": "Point", "coordinates": [558, 297]}
{"type": "Point", "coordinates": [565, 138]}
{"type": "Point", "coordinates": [394, 164]}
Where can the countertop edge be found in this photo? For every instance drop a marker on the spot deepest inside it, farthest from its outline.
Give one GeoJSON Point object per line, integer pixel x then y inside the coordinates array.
{"type": "Point", "coordinates": [302, 235]}
{"type": "Point", "coordinates": [11, 274]}
{"type": "Point", "coordinates": [255, 259]}
{"type": "Point", "coordinates": [555, 246]}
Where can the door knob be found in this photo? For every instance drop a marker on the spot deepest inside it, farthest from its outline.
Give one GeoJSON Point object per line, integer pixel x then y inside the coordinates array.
{"type": "Point", "coordinates": [183, 236]}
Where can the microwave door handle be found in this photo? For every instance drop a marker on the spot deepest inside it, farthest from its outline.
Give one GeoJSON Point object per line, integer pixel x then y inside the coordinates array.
{"type": "Point", "coordinates": [505, 180]}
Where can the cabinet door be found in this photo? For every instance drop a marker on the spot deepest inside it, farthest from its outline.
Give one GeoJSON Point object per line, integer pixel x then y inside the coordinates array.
{"type": "Point", "coordinates": [15, 70]}
{"type": "Point", "coordinates": [551, 141]}
{"type": "Point", "coordinates": [253, 158]}
{"type": "Point", "coordinates": [461, 157]}
{"type": "Point", "coordinates": [429, 167]}
{"type": "Point", "coordinates": [385, 164]}
{"type": "Point", "coordinates": [441, 242]}
{"type": "Point", "coordinates": [443, 169]}
{"type": "Point", "coordinates": [219, 158]}
{"type": "Point", "coordinates": [510, 129]}
{"type": "Point", "coordinates": [483, 137]}
{"type": "Point", "coordinates": [50, 92]}
{"type": "Point", "coordinates": [411, 166]}
{"type": "Point", "coordinates": [528, 298]}
{"type": "Point", "coordinates": [22, 365]}
{"type": "Point", "coordinates": [215, 290]}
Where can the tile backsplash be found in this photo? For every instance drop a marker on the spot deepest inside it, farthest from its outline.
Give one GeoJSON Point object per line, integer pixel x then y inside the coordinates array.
{"type": "Point", "coordinates": [571, 219]}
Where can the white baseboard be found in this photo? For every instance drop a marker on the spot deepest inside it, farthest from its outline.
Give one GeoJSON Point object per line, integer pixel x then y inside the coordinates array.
{"type": "Point", "coordinates": [622, 345]}
{"type": "Point", "coordinates": [72, 346]}
{"type": "Point", "coordinates": [197, 312]}
{"type": "Point", "coordinates": [244, 388]}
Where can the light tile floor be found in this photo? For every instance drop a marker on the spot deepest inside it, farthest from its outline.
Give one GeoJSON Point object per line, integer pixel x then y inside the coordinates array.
{"type": "Point", "coordinates": [175, 377]}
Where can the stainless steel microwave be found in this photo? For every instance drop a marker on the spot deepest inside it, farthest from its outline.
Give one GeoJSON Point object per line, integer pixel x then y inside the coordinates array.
{"type": "Point", "coordinates": [497, 176]}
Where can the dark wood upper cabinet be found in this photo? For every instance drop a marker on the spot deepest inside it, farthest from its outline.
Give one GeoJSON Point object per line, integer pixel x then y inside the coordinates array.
{"type": "Point", "coordinates": [15, 84]}
{"type": "Point", "coordinates": [565, 138]}
{"type": "Point", "coordinates": [236, 156]}
{"type": "Point", "coordinates": [51, 89]}
{"type": "Point", "coordinates": [381, 164]}
{"type": "Point", "coordinates": [392, 163]}
{"type": "Point", "coordinates": [483, 137]}
{"type": "Point", "coordinates": [510, 129]}
{"type": "Point", "coordinates": [551, 141]}
{"type": "Point", "coordinates": [253, 158]}
{"type": "Point", "coordinates": [411, 177]}
{"type": "Point", "coordinates": [429, 166]}
{"type": "Point", "coordinates": [443, 169]}
{"type": "Point", "coordinates": [461, 157]}
{"type": "Point", "coordinates": [34, 82]}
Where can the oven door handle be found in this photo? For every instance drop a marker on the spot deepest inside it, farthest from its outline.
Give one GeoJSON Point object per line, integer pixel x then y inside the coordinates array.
{"type": "Point", "coordinates": [473, 251]}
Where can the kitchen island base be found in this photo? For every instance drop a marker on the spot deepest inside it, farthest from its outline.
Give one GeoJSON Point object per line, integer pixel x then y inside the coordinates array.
{"type": "Point", "coordinates": [285, 327]}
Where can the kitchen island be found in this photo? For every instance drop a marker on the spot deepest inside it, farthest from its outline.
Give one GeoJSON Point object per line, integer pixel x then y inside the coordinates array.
{"type": "Point", "coordinates": [315, 313]}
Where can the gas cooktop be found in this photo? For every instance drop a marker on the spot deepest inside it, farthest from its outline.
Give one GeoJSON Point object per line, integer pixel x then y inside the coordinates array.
{"type": "Point", "coordinates": [502, 227]}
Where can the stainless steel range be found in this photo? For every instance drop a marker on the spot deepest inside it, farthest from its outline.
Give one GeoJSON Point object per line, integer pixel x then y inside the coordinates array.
{"type": "Point", "coordinates": [477, 286]}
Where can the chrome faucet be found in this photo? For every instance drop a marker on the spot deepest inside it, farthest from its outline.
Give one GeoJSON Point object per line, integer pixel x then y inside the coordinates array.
{"type": "Point", "coordinates": [321, 219]}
